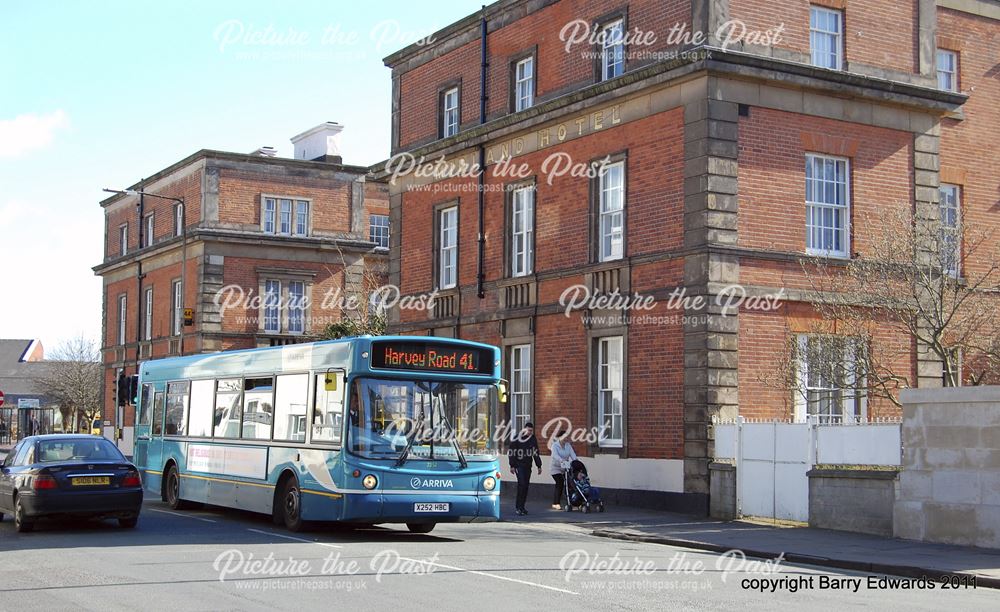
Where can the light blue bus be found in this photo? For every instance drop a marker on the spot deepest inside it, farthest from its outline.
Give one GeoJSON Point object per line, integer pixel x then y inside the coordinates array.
{"type": "Point", "coordinates": [365, 430]}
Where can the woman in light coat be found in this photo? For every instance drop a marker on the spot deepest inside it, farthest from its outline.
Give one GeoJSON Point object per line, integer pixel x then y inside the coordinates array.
{"type": "Point", "coordinates": [562, 454]}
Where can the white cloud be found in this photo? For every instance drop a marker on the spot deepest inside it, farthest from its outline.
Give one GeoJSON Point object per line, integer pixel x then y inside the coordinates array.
{"type": "Point", "coordinates": [29, 132]}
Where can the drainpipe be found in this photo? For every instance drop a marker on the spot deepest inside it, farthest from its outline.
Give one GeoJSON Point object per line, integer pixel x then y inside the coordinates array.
{"type": "Point", "coordinates": [141, 212]}
{"type": "Point", "coordinates": [484, 64]}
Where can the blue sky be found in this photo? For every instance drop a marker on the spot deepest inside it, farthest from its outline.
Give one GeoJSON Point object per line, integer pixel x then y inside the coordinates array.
{"type": "Point", "coordinates": [101, 94]}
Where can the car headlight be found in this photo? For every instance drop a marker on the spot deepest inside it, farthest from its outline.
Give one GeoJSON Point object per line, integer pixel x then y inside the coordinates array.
{"type": "Point", "coordinates": [369, 482]}
{"type": "Point", "coordinates": [490, 483]}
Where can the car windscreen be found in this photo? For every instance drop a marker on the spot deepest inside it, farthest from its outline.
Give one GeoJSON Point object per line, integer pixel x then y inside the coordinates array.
{"type": "Point", "coordinates": [50, 451]}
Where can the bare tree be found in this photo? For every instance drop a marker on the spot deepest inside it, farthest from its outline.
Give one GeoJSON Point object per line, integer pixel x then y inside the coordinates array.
{"type": "Point", "coordinates": [73, 379]}
{"type": "Point", "coordinates": [367, 278]}
{"type": "Point", "coordinates": [919, 282]}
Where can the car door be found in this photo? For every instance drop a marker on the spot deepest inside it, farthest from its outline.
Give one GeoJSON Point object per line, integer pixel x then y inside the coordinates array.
{"type": "Point", "coordinates": [7, 478]}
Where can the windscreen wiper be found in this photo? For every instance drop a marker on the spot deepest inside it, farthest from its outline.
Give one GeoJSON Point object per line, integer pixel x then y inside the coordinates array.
{"type": "Point", "coordinates": [454, 441]}
{"type": "Point", "coordinates": [409, 443]}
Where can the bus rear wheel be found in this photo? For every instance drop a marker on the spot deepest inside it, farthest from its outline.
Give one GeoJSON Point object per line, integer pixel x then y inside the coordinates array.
{"type": "Point", "coordinates": [421, 527]}
{"type": "Point", "coordinates": [291, 506]}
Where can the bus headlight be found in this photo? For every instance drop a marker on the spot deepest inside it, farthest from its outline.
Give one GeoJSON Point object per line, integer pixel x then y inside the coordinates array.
{"type": "Point", "coordinates": [490, 483]}
{"type": "Point", "coordinates": [369, 482]}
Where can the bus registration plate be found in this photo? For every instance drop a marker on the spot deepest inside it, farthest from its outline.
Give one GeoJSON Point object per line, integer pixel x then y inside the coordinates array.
{"type": "Point", "coordinates": [436, 507]}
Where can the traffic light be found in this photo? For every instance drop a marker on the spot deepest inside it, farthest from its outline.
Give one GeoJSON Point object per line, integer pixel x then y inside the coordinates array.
{"type": "Point", "coordinates": [133, 389]}
{"type": "Point", "coordinates": [122, 390]}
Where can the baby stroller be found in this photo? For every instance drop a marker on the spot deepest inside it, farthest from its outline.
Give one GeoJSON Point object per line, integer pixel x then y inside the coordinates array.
{"type": "Point", "coordinates": [579, 492]}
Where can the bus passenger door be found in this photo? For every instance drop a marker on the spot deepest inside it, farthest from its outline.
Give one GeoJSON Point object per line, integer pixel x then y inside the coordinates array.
{"type": "Point", "coordinates": [142, 421]}
{"type": "Point", "coordinates": [155, 449]}
{"type": "Point", "coordinates": [328, 411]}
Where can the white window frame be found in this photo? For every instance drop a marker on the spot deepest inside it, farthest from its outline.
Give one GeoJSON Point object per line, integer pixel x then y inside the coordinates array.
{"type": "Point", "coordinates": [296, 307]}
{"type": "Point", "coordinates": [285, 215]}
{"type": "Point", "coordinates": [269, 216]}
{"type": "Point", "coordinates": [122, 318]}
{"type": "Point", "coordinates": [177, 308]}
{"type": "Point", "coordinates": [520, 386]}
{"type": "Point", "coordinates": [123, 239]}
{"type": "Point", "coordinates": [524, 83]}
{"type": "Point", "coordinates": [286, 212]}
{"type": "Point", "coordinates": [148, 314]}
{"type": "Point", "coordinates": [150, 229]}
{"type": "Point", "coordinates": [178, 219]}
{"type": "Point", "coordinates": [611, 213]}
{"type": "Point", "coordinates": [947, 69]}
{"type": "Point", "coordinates": [449, 112]}
{"type": "Point", "coordinates": [610, 386]}
{"type": "Point", "coordinates": [612, 49]}
{"type": "Point", "coordinates": [448, 247]}
{"type": "Point", "coordinates": [951, 222]}
{"type": "Point", "coordinates": [852, 407]}
{"type": "Point", "coordinates": [522, 234]}
{"type": "Point", "coordinates": [816, 206]}
{"type": "Point", "coordinates": [271, 307]}
{"type": "Point", "coordinates": [301, 220]}
{"type": "Point", "coordinates": [835, 37]}
{"type": "Point", "coordinates": [378, 230]}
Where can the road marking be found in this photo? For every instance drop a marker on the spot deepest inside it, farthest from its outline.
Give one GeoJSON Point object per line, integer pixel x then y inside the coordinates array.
{"type": "Point", "coordinates": [491, 575]}
{"type": "Point", "coordinates": [287, 537]}
{"type": "Point", "coordinates": [197, 518]}
{"type": "Point", "coordinates": [434, 563]}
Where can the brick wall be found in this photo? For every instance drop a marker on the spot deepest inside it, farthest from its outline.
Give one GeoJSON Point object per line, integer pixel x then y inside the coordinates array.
{"type": "Point", "coordinates": [244, 272]}
{"type": "Point", "coordinates": [655, 212]}
{"type": "Point", "coordinates": [877, 33]}
{"type": "Point", "coordinates": [557, 71]}
{"type": "Point", "coordinates": [187, 187]}
{"type": "Point", "coordinates": [240, 198]}
{"type": "Point", "coordinates": [772, 178]}
{"type": "Point", "coordinates": [968, 146]}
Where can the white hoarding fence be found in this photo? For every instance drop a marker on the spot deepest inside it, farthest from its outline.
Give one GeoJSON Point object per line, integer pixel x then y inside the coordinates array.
{"type": "Point", "coordinates": [772, 458]}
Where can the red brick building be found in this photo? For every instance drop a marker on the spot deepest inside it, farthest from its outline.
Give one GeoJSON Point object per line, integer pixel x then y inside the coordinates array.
{"type": "Point", "coordinates": [263, 250]}
{"type": "Point", "coordinates": [625, 155]}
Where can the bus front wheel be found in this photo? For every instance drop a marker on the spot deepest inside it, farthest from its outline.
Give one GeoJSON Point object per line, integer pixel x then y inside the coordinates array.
{"type": "Point", "coordinates": [172, 489]}
{"type": "Point", "coordinates": [291, 506]}
{"type": "Point", "coordinates": [421, 527]}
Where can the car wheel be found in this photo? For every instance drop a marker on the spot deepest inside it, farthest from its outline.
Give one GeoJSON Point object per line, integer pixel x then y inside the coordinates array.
{"type": "Point", "coordinates": [291, 506]}
{"type": "Point", "coordinates": [21, 523]}
{"type": "Point", "coordinates": [172, 490]}
{"type": "Point", "coordinates": [421, 527]}
{"type": "Point", "coordinates": [128, 523]}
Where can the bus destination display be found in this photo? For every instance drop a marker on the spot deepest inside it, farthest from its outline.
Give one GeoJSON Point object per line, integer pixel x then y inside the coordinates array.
{"type": "Point", "coordinates": [431, 357]}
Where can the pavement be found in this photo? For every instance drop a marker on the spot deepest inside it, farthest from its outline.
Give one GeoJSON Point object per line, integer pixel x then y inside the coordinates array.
{"type": "Point", "coordinates": [797, 544]}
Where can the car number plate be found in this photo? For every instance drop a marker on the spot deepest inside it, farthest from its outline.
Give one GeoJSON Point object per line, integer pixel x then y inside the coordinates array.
{"type": "Point", "coordinates": [437, 507]}
{"type": "Point", "coordinates": [86, 481]}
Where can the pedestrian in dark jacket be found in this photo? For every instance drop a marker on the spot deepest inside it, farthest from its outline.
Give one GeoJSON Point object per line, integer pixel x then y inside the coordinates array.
{"type": "Point", "coordinates": [523, 450]}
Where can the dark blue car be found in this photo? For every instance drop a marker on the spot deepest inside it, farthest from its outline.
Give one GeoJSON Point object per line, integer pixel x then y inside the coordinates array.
{"type": "Point", "coordinates": [76, 476]}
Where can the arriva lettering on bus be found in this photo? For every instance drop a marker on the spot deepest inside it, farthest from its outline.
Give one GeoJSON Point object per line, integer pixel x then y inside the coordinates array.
{"type": "Point", "coordinates": [440, 483]}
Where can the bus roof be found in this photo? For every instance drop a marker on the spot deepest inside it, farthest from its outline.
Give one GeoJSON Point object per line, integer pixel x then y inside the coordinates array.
{"type": "Point", "coordinates": [326, 354]}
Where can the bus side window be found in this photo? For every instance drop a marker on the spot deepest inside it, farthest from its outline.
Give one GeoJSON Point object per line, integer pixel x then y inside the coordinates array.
{"type": "Point", "coordinates": [158, 413]}
{"type": "Point", "coordinates": [145, 404]}
{"type": "Point", "coordinates": [328, 416]}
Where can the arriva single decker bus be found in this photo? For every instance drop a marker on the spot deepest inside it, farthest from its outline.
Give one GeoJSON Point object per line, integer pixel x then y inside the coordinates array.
{"type": "Point", "coordinates": [362, 430]}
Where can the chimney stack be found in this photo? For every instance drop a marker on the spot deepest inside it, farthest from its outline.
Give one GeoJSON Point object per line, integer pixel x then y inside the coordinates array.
{"type": "Point", "coordinates": [321, 143]}
{"type": "Point", "coordinates": [265, 152]}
